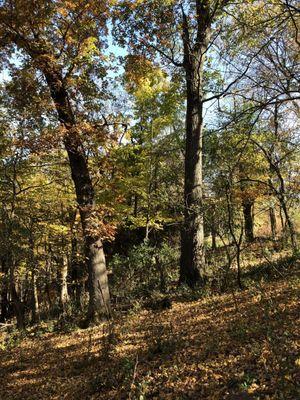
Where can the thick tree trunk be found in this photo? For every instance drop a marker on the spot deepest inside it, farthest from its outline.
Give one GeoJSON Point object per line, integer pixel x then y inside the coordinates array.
{"type": "Point", "coordinates": [192, 262]}
{"type": "Point", "coordinates": [98, 282]}
{"type": "Point", "coordinates": [192, 240]}
{"type": "Point", "coordinates": [63, 287]}
{"type": "Point", "coordinates": [99, 299]}
{"type": "Point", "coordinates": [248, 219]}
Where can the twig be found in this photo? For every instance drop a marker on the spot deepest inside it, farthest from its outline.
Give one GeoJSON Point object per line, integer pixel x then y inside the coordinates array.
{"type": "Point", "coordinates": [133, 377]}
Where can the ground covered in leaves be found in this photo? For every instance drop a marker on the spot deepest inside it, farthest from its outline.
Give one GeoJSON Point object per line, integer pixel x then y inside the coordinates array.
{"type": "Point", "coordinates": [238, 345]}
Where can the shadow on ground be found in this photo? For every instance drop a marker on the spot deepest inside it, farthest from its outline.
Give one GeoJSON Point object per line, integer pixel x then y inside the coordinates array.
{"type": "Point", "coordinates": [240, 345]}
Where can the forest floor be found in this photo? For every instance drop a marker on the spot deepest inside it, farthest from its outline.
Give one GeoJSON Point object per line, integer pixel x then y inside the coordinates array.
{"type": "Point", "coordinates": [238, 345]}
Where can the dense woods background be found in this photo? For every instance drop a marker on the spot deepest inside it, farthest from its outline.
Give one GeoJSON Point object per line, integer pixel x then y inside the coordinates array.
{"type": "Point", "coordinates": [150, 173]}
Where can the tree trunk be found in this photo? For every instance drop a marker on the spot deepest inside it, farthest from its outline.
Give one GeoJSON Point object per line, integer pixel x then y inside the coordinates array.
{"type": "Point", "coordinates": [282, 222]}
{"type": "Point", "coordinates": [289, 223]}
{"type": "Point", "coordinates": [63, 287]}
{"type": "Point", "coordinates": [99, 298]}
{"type": "Point", "coordinates": [78, 294]}
{"type": "Point", "coordinates": [35, 308]}
{"type": "Point", "coordinates": [98, 282]}
{"type": "Point", "coordinates": [273, 222]}
{"type": "Point", "coordinates": [213, 239]}
{"type": "Point", "coordinates": [48, 278]}
{"type": "Point", "coordinates": [135, 205]}
{"type": "Point", "coordinates": [213, 230]}
{"type": "Point", "coordinates": [192, 239]}
{"type": "Point", "coordinates": [34, 291]}
{"type": "Point", "coordinates": [162, 275]}
{"type": "Point", "coordinates": [237, 240]}
{"type": "Point", "coordinates": [192, 261]}
{"type": "Point", "coordinates": [17, 304]}
{"type": "Point", "coordinates": [248, 219]}
{"type": "Point", "coordinates": [77, 274]}
{"type": "Point", "coordinates": [4, 291]}
{"type": "Point", "coordinates": [281, 195]}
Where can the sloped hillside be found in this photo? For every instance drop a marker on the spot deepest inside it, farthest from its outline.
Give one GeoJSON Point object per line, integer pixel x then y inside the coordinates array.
{"type": "Point", "coordinates": [240, 345]}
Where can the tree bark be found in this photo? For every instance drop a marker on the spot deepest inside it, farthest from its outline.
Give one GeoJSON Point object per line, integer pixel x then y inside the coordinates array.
{"type": "Point", "coordinates": [192, 261]}
{"type": "Point", "coordinates": [248, 219]}
{"type": "Point", "coordinates": [192, 239]}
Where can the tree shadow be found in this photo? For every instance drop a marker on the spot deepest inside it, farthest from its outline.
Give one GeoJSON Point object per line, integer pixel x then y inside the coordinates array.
{"type": "Point", "coordinates": [222, 347]}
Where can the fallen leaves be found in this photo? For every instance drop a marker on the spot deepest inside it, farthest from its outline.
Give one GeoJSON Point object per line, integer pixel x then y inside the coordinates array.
{"type": "Point", "coordinates": [206, 349]}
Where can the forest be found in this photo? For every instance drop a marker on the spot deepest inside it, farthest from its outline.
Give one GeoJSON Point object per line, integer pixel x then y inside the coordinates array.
{"type": "Point", "coordinates": [149, 199]}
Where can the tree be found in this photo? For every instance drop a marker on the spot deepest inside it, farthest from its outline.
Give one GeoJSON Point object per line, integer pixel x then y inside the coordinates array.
{"type": "Point", "coordinates": [58, 39]}
{"type": "Point", "coordinates": [181, 33]}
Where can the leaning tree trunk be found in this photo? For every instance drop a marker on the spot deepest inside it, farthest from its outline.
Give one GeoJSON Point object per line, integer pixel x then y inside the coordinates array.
{"type": "Point", "coordinates": [99, 298]}
{"type": "Point", "coordinates": [248, 219]}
